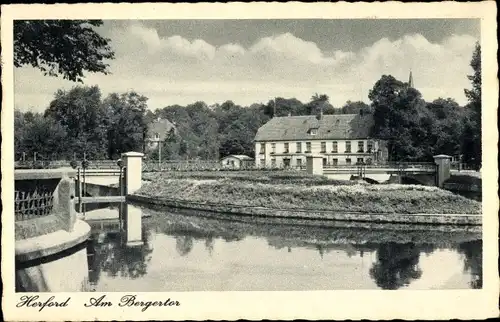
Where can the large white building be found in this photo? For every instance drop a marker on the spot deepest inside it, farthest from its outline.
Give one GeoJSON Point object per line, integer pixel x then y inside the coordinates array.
{"type": "Point", "coordinates": [341, 139]}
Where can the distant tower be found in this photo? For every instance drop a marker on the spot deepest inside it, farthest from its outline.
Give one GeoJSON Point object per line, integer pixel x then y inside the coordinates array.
{"type": "Point", "coordinates": [410, 81]}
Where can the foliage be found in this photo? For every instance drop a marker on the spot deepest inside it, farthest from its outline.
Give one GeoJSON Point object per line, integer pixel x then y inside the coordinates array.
{"type": "Point", "coordinates": [81, 113]}
{"type": "Point", "coordinates": [257, 176]}
{"type": "Point", "coordinates": [66, 47]}
{"type": "Point", "coordinates": [125, 123]}
{"type": "Point", "coordinates": [405, 199]}
{"type": "Point", "coordinates": [38, 134]}
{"type": "Point", "coordinates": [77, 122]}
{"type": "Point", "coordinates": [472, 122]}
{"type": "Point", "coordinates": [398, 113]}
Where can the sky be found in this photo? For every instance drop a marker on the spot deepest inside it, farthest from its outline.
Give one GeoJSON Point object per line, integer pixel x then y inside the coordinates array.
{"type": "Point", "coordinates": [253, 61]}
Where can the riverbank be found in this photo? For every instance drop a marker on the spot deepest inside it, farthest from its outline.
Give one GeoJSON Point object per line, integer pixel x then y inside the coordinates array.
{"type": "Point", "coordinates": [260, 194]}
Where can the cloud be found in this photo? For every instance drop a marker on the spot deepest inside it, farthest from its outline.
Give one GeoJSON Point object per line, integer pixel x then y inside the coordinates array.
{"type": "Point", "coordinates": [175, 70]}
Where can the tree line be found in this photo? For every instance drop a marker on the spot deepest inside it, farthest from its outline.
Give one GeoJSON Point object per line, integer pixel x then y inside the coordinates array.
{"type": "Point", "coordinates": [80, 121]}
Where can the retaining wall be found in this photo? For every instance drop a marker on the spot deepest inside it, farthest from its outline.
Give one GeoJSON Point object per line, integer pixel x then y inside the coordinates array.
{"type": "Point", "coordinates": [310, 214]}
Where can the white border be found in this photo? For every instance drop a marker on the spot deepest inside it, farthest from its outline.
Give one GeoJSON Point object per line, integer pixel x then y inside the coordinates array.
{"type": "Point", "coordinates": [466, 304]}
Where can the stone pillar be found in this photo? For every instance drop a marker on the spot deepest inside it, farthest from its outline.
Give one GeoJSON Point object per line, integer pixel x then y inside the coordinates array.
{"type": "Point", "coordinates": [64, 198]}
{"type": "Point", "coordinates": [443, 163]}
{"type": "Point", "coordinates": [133, 171]}
{"type": "Point", "coordinates": [314, 164]}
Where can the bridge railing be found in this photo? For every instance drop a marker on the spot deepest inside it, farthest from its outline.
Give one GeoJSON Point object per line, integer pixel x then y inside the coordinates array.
{"type": "Point", "coordinates": [393, 165]}
{"type": "Point", "coordinates": [41, 193]}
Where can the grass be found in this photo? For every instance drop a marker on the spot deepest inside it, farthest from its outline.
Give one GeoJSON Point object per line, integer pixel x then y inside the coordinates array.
{"type": "Point", "coordinates": [258, 176]}
{"type": "Point", "coordinates": [289, 190]}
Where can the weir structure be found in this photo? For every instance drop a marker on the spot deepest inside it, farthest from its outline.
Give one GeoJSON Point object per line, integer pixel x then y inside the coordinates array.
{"type": "Point", "coordinates": [50, 239]}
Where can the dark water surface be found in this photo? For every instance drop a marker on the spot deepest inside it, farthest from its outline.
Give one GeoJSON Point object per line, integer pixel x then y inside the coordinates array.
{"type": "Point", "coordinates": [171, 251]}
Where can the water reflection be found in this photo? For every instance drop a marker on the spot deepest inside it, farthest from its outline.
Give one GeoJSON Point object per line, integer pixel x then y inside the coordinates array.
{"type": "Point", "coordinates": [396, 265]}
{"type": "Point", "coordinates": [119, 246]}
{"type": "Point", "coordinates": [473, 261]}
{"type": "Point", "coordinates": [178, 252]}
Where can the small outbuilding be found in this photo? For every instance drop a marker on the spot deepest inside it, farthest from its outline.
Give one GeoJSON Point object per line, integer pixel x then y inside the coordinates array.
{"type": "Point", "coordinates": [235, 161]}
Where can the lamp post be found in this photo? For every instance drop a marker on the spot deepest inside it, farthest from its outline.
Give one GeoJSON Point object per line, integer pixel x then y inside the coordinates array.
{"type": "Point", "coordinates": [159, 152]}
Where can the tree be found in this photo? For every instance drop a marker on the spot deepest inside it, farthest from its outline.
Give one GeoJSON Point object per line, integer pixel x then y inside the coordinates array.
{"type": "Point", "coordinates": [42, 135]}
{"type": "Point", "coordinates": [445, 127]}
{"type": "Point", "coordinates": [399, 112]}
{"type": "Point", "coordinates": [358, 107]}
{"type": "Point", "coordinates": [125, 122]}
{"type": "Point", "coordinates": [472, 123]}
{"type": "Point", "coordinates": [318, 103]}
{"type": "Point", "coordinates": [81, 113]}
{"type": "Point", "coordinates": [65, 47]}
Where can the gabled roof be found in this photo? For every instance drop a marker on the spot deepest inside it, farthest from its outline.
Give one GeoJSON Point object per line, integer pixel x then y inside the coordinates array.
{"type": "Point", "coordinates": [330, 127]}
{"type": "Point", "coordinates": [238, 156]}
{"type": "Point", "coordinates": [160, 126]}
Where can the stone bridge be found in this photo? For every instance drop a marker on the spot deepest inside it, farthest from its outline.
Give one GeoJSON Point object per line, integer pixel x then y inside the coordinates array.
{"type": "Point", "coordinates": [430, 174]}
{"type": "Point", "coordinates": [410, 175]}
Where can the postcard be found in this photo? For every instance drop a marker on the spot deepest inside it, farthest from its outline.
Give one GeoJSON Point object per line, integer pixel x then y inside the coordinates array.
{"type": "Point", "coordinates": [249, 161]}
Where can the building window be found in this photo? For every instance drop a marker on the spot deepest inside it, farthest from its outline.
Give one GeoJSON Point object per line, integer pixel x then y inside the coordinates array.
{"type": "Point", "coordinates": [347, 161]}
{"type": "Point", "coordinates": [370, 146]}
{"type": "Point", "coordinates": [335, 161]}
{"type": "Point", "coordinates": [334, 147]}
{"type": "Point", "coordinates": [286, 148]}
{"type": "Point", "coordinates": [324, 162]}
{"type": "Point", "coordinates": [361, 146]}
{"type": "Point", "coordinates": [157, 136]}
{"type": "Point", "coordinates": [313, 131]}
{"type": "Point", "coordinates": [273, 148]}
{"type": "Point", "coordinates": [299, 163]}
{"type": "Point", "coordinates": [286, 163]}
{"type": "Point", "coordinates": [348, 146]}
{"type": "Point", "coordinates": [263, 163]}
{"type": "Point", "coordinates": [359, 161]}
{"type": "Point", "coordinates": [308, 147]}
{"type": "Point", "coordinates": [323, 147]}
{"type": "Point", "coordinates": [273, 163]}
{"type": "Point", "coordinates": [262, 148]}
{"type": "Point", "coordinates": [299, 147]}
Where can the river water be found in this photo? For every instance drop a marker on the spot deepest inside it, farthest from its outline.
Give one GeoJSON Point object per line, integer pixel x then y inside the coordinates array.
{"type": "Point", "coordinates": [137, 249]}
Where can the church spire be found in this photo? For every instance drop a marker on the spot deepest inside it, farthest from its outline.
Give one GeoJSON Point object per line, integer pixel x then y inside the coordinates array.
{"type": "Point", "coordinates": [410, 80]}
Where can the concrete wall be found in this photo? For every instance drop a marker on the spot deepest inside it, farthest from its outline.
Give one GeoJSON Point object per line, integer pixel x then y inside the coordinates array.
{"type": "Point", "coordinates": [265, 159]}
{"type": "Point", "coordinates": [51, 260]}
{"type": "Point", "coordinates": [445, 219]}
{"type": "Point", "coordinates": [55, 262]}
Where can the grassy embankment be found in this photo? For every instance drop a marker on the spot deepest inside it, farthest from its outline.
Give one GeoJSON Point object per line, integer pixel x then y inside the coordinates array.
{"type": "Point", "coordinates": [294, 190]}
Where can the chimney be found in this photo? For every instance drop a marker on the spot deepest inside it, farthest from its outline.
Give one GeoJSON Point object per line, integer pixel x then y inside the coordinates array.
{"type": "Point", "coordinates": [320, 114]}
{"type": "Point", "coordinates": [274, 107]}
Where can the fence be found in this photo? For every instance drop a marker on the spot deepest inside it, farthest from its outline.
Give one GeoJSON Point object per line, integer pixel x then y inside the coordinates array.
{"type": "Point", "coordinates": [40, 193]}
{"type": "Point", "coordinates": [34, 204]}
{"type": "Point", "coordinates": [45, 164]}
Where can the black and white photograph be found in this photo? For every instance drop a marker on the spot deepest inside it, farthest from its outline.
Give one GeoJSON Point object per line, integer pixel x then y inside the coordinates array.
{"type": "Point", "coordinates": [163, 155]}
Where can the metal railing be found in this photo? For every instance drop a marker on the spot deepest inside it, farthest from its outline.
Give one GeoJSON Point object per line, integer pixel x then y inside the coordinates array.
{"type": "Point", "coordinates": [41, 193]}
{"type": "Point", "coordinates": [29, 205]}
{"type": "Point", "coordinates": [395, 165]}
{"type": "Point", "coordinates": [53, 164]}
